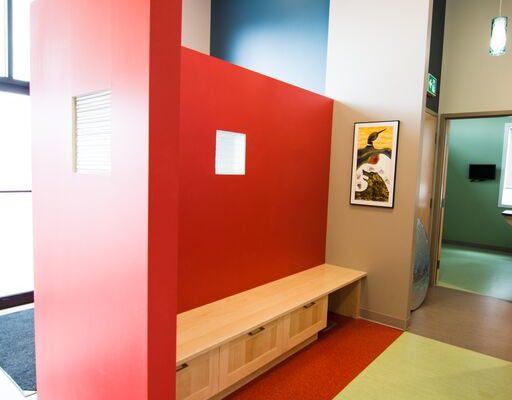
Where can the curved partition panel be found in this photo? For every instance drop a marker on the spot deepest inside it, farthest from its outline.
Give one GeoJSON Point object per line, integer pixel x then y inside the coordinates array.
{"type": "Point", "coordinates": [421, 267]}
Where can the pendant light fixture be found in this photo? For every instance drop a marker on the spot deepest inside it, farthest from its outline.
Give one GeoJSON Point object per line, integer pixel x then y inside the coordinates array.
{"type": "Point", "coordinates": [498, 45]}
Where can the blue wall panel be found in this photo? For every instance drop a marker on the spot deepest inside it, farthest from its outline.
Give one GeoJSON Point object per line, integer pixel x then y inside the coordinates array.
{"type": "Point", "coordinates": [285, 39]}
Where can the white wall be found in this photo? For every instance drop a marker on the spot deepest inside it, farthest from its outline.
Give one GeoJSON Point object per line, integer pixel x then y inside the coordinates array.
{"type": "Point", "coordinates": [472, 80]}
{"type": "Point", "coordinates": [376, 69]}
{"type": "Point", "coordinates": [196, 25]}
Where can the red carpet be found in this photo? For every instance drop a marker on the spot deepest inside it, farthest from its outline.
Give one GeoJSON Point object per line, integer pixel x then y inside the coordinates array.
{"type": "Point", "coordinates": [324, 368]}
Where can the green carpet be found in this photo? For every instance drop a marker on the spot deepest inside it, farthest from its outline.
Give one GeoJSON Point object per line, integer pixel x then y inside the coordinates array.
{"type": "Point", "coordinates": [476, 270]}
{"type": "Point", "coordinates": [414, 367]}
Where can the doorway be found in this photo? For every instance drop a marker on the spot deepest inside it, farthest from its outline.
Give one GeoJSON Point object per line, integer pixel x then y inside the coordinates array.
{"type": "Point", "coordinates": [473, 242]}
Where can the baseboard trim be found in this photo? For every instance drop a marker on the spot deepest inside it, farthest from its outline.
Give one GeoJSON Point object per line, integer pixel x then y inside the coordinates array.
{"type": "Point", "coordinates": [384, 319]}
{"type": "Point", "coordinates": [477, 246]}
{"type": "Point", "coordinates": [16, 300]}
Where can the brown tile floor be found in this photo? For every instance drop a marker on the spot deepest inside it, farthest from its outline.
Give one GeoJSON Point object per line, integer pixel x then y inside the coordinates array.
{"type": "Point", "coordinates": [467, 320]}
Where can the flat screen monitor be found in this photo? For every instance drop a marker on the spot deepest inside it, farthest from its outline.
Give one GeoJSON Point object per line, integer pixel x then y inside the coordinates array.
{"type": "Point", "coordinates": [482, 172]}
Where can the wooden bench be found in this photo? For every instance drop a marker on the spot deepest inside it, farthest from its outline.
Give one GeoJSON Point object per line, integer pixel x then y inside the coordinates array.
{"type": "Point", "coordinates": [223, 345]}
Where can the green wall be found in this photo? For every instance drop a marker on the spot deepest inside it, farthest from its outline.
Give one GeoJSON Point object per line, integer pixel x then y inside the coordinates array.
{"type": "Point", "coordinates": [472, 214]}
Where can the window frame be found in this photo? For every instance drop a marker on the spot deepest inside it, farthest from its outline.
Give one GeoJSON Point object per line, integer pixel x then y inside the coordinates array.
{"type": "Point", "coordinates": [8, 83]}
{"type": "Point", "coordinates": [505, 161]}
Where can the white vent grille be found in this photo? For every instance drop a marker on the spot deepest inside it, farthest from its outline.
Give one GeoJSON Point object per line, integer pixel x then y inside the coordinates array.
{"type": "Point", "coordinates": [230, 153]}
{"type": "Point", "coordinates": [93, 133]}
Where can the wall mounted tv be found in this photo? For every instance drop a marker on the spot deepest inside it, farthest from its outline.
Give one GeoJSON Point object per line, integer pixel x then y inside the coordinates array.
{"type": "Point", "coordinates": [482, 172]}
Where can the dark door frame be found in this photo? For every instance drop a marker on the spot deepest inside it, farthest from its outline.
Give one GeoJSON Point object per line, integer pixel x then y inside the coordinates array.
{"type": "Point", "coordinates": [441, 164]}
{"type": "Point", "coordinates": [16, 300]}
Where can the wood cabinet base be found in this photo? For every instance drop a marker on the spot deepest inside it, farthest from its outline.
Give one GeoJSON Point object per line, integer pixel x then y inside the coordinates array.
{"type": "Point", "coordinates": [223, 345]}
{"type": "Point", "coordinates": [198, 379]}
{"type": "Point", "coordinates": [241, 357]}
{"type": "Point", "coordinates": [264, 369]}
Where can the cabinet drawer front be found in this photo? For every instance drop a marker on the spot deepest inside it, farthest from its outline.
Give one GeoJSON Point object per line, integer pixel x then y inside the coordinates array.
{"type": "Point", "coordinates": [305, 322]}
{"type": "Point", "coordinates": [198, 378]}
{"type": "Point", "coordinates": [250, 352]}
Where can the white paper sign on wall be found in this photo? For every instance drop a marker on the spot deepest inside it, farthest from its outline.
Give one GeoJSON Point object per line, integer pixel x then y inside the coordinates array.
{"type": "Point", "coordinates": [230, 153]}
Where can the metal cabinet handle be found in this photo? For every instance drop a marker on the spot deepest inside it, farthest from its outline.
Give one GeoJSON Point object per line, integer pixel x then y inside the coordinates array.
{"type": "Point", "coordinates": [256, 331]}
{"type": "Point", "coordinates": [181, 367]}
{"type": "Point", "coordinates": [310, 305]}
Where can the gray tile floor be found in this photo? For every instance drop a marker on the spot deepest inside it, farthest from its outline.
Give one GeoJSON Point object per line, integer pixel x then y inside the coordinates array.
{"type": "Point", "coordinates": [468, 320]}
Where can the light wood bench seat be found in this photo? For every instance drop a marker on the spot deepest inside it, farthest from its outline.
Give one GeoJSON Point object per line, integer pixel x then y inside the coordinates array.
{"type": "Point", "coordinates": [213, 326]}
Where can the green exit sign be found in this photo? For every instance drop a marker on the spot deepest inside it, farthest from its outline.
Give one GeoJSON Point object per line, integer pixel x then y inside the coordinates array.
{"type": "Point", "coordinates": [432, 85]}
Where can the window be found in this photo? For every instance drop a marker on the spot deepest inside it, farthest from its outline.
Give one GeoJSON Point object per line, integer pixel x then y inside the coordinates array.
{"type": "Point", "coordinates": [15, 45]}
{"type": "Point", "coordinates": [3, 38]}
{"type": "Point", "coordinates": [15, 157]}
{"type": "Point", "coordinates": [21, 40]}
{"type": "Point", "coordinates": [506, 169]}
{"type": "Point", "coordinates": [16, 262]}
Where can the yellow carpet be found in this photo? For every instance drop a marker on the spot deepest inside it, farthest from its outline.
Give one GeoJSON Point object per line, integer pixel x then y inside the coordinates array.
{"type": "Point", "coordinates": [417, 368]}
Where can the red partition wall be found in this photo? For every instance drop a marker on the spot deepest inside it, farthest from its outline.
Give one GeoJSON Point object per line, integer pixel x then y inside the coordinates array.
{"type": "Point", "coordinates": [164, 112]}
{"type": "Point", "coordinates": [238, 232]}
{"type": "Point", "coordinates": [101, 270]}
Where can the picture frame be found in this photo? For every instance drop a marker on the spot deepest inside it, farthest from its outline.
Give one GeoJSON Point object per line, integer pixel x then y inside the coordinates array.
{"type": "Point", "coordinates": [374, 157]}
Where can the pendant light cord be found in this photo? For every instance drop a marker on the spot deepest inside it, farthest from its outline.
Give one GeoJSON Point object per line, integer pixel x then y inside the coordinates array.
{"type": "Point", "coordinates": [501, 3]}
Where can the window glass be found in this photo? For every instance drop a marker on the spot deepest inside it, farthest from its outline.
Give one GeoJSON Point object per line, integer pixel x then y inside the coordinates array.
{"type": "Point", "coordinates": [15, 144]}
{"type": "Point", "coordinates": [508, 166]}
{"type": "Point", "coordinates": [506, 169]}
{"type": "Point", "coordinates": [16, 254]}
{"type": "Point", "coordinates": [21, 39]}
{"type": "Point", "coordinates": [3, 38]}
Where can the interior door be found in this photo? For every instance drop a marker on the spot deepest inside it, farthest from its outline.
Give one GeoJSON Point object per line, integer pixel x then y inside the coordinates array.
{"type": "Point", "coordinates": [423, 249]}
{"type": "Point", "coordinates": [444, 173]}
{"type": "Point", "coordinates": [427, 170]}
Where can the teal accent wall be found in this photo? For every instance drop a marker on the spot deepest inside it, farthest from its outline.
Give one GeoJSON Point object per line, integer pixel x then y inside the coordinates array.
{"type": "Point", "coordinates": [472, 214]}
{"type": "Point", "coordinates": [284, 39]}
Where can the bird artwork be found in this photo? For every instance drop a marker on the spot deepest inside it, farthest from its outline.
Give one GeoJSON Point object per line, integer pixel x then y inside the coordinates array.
{"type": "Point", "coordinates": [376, 189]}
{"type": "Point", "coordinates": [373, 164]}
{"type": "Point", "coordinates": [369, 154]}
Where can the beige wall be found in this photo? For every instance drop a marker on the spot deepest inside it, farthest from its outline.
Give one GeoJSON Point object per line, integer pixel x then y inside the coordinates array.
{"type": "Point", "coordinates": [196, 25]}
{"type": "Point", "coordinates": [471, 79]}
{"type": "Point", "coordinates": [376, 68]}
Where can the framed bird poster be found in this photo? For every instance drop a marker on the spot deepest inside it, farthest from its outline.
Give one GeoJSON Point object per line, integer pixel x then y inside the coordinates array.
{"type": "Point", "coordinates": [374, 163]}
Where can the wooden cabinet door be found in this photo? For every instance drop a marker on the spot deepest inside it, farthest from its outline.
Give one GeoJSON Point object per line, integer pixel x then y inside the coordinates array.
{"type": "Point", "coordinates": [198, 379]}
{"type": "Point", "coordinates": [249, 353]}
{"type": "Point", "coordinates": [305, 322]}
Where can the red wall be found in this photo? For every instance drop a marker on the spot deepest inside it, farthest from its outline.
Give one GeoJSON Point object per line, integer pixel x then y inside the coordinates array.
{"type": "Point", "coordinates": [164, 113]}
{"type": "Point", "coordinates": [238, 232]}
{"type": "Point", "coordinates": [100, 271]}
